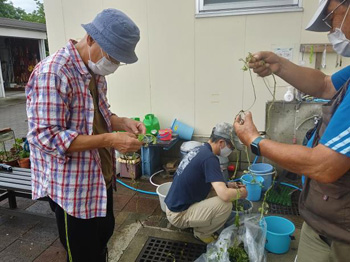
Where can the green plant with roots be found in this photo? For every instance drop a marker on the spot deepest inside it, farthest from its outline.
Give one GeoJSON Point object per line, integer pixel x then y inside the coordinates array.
{"type": "Point", "coordinates": [264, 209]}
{"type": "Point", "coordinates": [253, 181]}
{"type": "Point", "coordinates": [237, 207]}
{"type": "Point", "coordinates": [245, 68]}
{"type": "Point", "coordinates": [237, 253]}
{"type": "Point", "coordinates": [147, 139]}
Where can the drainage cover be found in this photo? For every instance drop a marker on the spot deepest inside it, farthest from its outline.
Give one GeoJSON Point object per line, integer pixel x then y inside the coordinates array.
{"type": "Point", "coordinates": [159, 249]}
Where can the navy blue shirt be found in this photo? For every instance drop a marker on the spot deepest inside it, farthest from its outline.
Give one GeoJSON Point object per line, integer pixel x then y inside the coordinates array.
{"type": "Point", "coordinates": [192, 180]}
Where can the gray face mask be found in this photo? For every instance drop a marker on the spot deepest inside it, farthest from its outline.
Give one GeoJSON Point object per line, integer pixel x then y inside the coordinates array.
{"type": "Point", "coordinates": [103, 66]}
{"type": "Point", "coordinates": [339, 41]}
{"type": "Point", "coordinates": [226, 151]}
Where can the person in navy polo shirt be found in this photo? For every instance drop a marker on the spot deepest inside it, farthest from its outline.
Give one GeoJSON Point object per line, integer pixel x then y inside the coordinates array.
{"type": "Point", "coordinates": [199, 171]}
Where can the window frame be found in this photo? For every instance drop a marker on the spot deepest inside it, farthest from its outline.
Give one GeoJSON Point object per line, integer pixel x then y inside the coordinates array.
{"type": "Point", "coordinates": [249, 7]}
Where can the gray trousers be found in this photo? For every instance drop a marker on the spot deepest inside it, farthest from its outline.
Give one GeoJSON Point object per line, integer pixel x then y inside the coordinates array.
{"type": "Point", "coordinates": [312, 248]}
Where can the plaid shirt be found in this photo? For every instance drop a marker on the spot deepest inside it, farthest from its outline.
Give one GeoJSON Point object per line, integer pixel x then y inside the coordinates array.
{"type": "Point", "coordinates": [59, 108]}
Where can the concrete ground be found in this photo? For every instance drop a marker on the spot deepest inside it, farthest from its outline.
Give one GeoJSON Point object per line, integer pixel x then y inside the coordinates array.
{"type": "Point", "coordinates": [29, 232]}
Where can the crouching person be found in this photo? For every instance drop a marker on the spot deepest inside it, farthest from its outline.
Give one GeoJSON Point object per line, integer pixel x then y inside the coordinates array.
{"type": "Point", "coordinates": [199, 171]}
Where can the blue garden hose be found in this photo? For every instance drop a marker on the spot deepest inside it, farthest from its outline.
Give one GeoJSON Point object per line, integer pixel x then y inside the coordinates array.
{"type": "Point", "coordinates": [282, 183]}
{"type": "Point", "coordinates": [137, 190]}
{"type": "Point", "coordinates": [290, 185]}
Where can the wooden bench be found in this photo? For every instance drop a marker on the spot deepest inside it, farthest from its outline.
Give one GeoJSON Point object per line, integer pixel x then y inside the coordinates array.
{"type": "Point", "coordinates": [15, 183]}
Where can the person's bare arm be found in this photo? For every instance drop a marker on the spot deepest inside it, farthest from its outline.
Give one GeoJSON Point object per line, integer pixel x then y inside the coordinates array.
{"type": "Point", "coordinates": [307, 80]}
{"type": "Point", "coordinates": [127, 124]}
{"type": "Point", "coordinates": [228, 194]}
{"type": "Point", "coordinates": [123, 142]}
{"type": "Point", "coordinates": [319, 163]}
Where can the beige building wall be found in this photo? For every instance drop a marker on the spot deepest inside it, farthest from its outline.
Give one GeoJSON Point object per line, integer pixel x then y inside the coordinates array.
{"type": "Point", "coordinates": [189, 67]}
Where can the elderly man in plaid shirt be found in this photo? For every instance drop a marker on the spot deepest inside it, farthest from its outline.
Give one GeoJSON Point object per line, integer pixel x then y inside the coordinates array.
{"type": "Point", "coordinates": [70, 132]}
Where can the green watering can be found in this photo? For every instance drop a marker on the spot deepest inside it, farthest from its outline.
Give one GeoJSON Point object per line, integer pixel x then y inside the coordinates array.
{"type": "Point", "coordinates": [151, 123]}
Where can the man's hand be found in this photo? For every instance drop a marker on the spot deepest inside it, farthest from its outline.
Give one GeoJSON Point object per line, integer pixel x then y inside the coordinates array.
{"type": "Point", "coordinates": [135, 127]}
{"type": "Point", "coordinates": [243, 192]}
{"type": "Point", "coordinates": [124, 142]}
{"type": "Point", "coordinates": [240, 187]}
{"type": "Point", "coordinates": [265, 63]}
{"type": "Point", "coordinates": [235, 185]}
{"type": "Point", "coordinates": [246, 130]}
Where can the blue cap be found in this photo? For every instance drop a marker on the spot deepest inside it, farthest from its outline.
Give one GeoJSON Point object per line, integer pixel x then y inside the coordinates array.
{"type": "Point", "coordinates": [116, 34]}
{"type": "Point", "coordinates": [227, 131]}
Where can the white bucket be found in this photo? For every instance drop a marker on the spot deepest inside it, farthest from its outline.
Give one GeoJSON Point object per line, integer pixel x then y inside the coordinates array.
{"type": "Point", "coordinates": [162, 191]}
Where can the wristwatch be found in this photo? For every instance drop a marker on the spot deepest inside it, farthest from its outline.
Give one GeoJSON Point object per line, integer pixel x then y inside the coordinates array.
{"type": "Point", "coordinates": [254, 146]}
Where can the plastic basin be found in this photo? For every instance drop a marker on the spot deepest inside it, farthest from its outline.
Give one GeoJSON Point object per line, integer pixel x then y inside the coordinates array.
{"type": "Point", "coordinates": [265, 170]}
{"type": "Point", "coordinates": [253, 189]}
{"type": "Point", "coordinates": [184, 131]}
{"type": "Point", "coordinates": [162, 191]}
{"type": "Point", "coordinates": [279, 232]}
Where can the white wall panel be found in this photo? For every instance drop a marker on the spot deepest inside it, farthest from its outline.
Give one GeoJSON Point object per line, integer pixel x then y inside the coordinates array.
{"type": "Point", "coordinates": [219, 79]}
{"type": "Point", "coordinates": [188, 68]}
{"type": "Point", "coordinates": [54, 24]}
{"type": "Point", "coordinates": [171, 50]}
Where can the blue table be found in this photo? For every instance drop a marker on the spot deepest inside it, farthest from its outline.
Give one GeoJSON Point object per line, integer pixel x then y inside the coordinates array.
{"type": "Point", "coordinates": [151, 155]}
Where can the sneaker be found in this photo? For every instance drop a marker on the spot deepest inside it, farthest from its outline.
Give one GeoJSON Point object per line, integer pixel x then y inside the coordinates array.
{"type": "Point", "coordinates": [209, 239]}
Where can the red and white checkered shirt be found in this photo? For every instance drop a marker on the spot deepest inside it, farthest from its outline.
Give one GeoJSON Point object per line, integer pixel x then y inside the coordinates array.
{"type": "Point", "coordinates": [59, 108]}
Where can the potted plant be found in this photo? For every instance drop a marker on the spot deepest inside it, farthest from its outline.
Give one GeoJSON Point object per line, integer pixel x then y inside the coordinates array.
{"type": "Point", "coordinates": [17, 146]}
{"type": "Point", "coordinates": [130, 165]}
{"type": "Point", "coordinates": [23, 160]}
{"type": "Point", "coordinates": [8, 158]}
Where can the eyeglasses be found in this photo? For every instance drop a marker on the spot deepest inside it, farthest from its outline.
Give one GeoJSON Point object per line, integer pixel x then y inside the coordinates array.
{"type": "Point", "coordinates": [326, 19]}
{"type": "Point", "coordinates": [229, 145]}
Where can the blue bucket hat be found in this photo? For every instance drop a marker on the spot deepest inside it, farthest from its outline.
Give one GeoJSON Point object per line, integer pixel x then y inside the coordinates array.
{"type": "Point", "coordinates": [116, 34]}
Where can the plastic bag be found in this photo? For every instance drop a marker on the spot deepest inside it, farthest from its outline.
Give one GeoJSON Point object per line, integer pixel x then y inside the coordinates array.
{"type": "Point", "coordinates": [252, 233]}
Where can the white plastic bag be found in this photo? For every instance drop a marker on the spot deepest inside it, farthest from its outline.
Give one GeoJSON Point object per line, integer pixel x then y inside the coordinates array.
{"type": "Point", "coordinates": [252, 232]}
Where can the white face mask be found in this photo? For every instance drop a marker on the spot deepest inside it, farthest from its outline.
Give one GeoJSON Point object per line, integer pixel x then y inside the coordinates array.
{"type": "Point", "coordinates": [340, 43]}
{"type": "Point", "coordinates": [103, 66]}
{"type": "Point", "coordinates": [226, 151]}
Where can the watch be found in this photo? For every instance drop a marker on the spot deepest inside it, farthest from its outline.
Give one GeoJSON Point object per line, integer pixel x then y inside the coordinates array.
{"type": "Point", "coordinates": [254, 146]}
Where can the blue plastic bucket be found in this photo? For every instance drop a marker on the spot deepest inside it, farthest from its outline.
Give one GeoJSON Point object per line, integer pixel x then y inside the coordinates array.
{"type": "Point", "coordinates": [264, 170]}
{"type": "Point", "coordinates": [184, 131]}
{"type": "Point", "coordinates": [253, 189]}
{"type": "Point", "coordinates": [279, 232]}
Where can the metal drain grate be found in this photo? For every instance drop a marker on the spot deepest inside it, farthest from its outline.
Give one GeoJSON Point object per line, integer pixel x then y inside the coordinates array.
{"type": "Point", "coordinates": [158, 249]}
{"type": "Point", "coordinates": [286, 210]}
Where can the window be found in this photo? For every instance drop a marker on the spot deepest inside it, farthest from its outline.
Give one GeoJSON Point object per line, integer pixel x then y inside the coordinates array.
{"type": "Point", "coordinates": [240, 7]}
